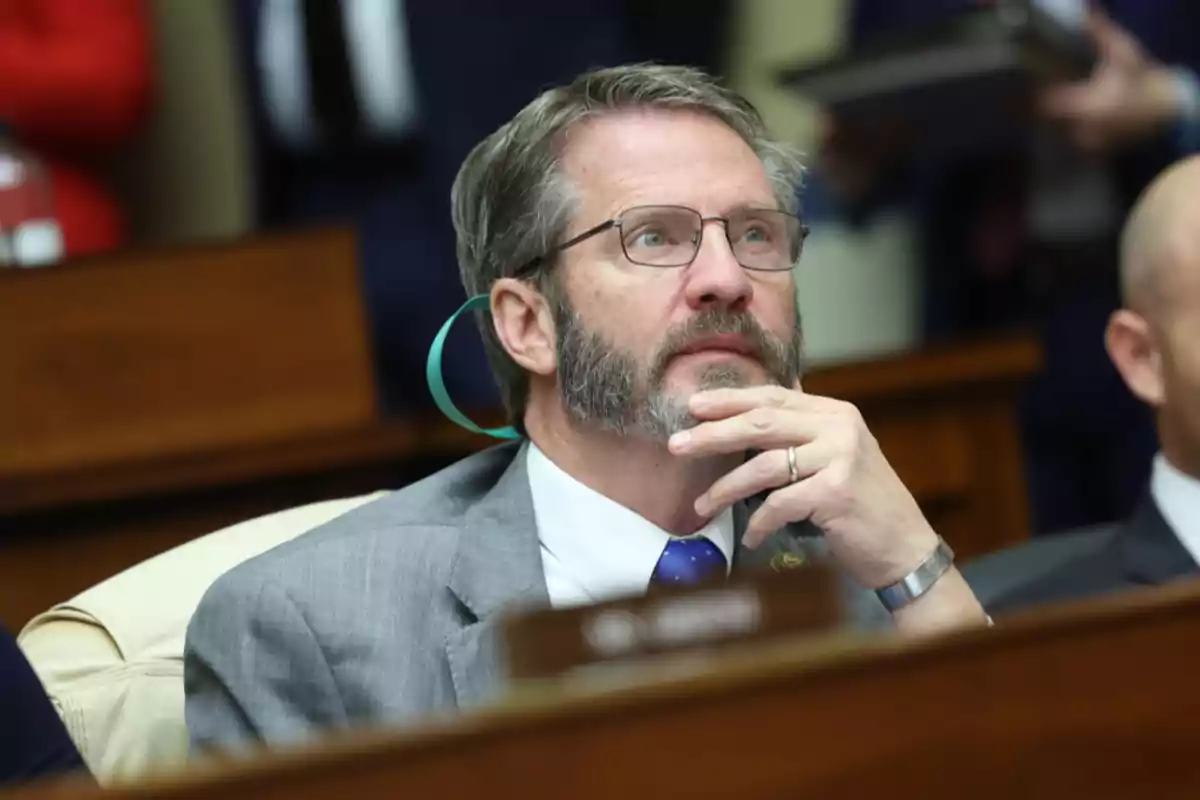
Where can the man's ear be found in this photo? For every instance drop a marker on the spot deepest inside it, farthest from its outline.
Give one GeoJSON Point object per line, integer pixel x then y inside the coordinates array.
{"type": "Point", "coordinates": [524, 325]}
{"type": "Point", "coordinates": [1134, 350]}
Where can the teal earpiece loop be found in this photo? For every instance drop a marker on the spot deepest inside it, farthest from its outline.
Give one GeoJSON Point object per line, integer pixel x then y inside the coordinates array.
{"type": "Point", "coordinates": [437, 385]}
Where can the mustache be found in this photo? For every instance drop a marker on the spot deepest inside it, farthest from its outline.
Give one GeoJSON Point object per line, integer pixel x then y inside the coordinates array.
{"type": "Point", "coordinates": [765, 348]}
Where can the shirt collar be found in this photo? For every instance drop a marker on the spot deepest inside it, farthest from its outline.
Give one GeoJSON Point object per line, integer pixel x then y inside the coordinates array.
{"type": "Point", "coordinates": [1177, 496]}
{"type": "Point", "coordinates": [608, 549]}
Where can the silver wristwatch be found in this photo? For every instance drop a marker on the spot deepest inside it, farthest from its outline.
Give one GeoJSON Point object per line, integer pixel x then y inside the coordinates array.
{"type": "Point", "coordinates": [920, 580]}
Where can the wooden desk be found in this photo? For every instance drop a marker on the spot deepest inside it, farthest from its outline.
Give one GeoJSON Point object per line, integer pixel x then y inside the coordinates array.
{"type": "Point", "coordinates": [946, 419]}
{"type": "Point", "coordinates": [142, 356]}
{"type": "Point", "coordinates": [1052, 706]}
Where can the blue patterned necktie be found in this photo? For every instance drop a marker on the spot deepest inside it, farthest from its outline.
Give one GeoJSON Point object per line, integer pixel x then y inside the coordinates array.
{"type": "Point", "coordinates": [687, 562]}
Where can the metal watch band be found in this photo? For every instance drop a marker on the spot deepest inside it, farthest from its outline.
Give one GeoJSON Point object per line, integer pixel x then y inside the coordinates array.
{"type": "Point", "coordinates": [920, 580]}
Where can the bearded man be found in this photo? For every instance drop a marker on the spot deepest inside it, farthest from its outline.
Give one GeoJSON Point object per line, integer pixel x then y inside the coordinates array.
{"type": "Point", "coordinates": [634, 235]}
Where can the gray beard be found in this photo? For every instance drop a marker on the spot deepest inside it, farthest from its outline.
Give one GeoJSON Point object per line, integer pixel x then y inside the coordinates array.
{"type": "Point", "coordinates": [604, 387]}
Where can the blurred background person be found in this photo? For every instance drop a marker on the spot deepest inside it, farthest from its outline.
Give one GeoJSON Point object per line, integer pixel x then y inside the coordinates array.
{"type": "Point", "coordinates": [75, 83]}
{"type": "Point", "coordinates": [361, 113]}
{"type": "Point", "coordinates": [1021, 233]}
{"type": "Point", "coordinates": [1154, 342]}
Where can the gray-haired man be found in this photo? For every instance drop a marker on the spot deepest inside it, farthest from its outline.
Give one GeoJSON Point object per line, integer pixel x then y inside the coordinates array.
{"type": "Point", "coordinates": [635, 234]}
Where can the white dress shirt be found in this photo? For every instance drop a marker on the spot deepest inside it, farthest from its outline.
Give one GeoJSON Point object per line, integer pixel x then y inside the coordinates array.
{"type": "Point", "coordinates": [1177, 496]}
{"type": "Point", "coordinates": [380, 66]}
{"type": "Point", "coordinates": [594, 548]}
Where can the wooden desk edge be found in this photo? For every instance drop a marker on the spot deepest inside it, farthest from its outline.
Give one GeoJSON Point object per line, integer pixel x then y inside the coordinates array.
{"type": "Point", "coordinates": [959, 365]}
{"type": "Point", "coordinates": [369, 445]}
{"type": "Point", "coordinates": [148, 256]}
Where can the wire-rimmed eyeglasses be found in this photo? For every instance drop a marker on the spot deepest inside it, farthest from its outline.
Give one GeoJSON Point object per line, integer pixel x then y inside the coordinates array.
{"type": "Point", "coordinates": [669, 236]}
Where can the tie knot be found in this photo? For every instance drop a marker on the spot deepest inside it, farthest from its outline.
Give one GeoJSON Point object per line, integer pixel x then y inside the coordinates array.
{"type": "Point", "coordinates": [687, 562]}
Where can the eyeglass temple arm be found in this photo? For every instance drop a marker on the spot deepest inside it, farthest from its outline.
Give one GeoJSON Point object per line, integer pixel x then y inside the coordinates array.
{"type": "Point", "coordinates": [529, 266]}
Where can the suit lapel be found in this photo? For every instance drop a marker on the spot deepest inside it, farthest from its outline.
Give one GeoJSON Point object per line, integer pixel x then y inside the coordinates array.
{"type": "Point", "coordinates": [497, 566]}
{"type": "Point", "coordinates": [1150, 552]}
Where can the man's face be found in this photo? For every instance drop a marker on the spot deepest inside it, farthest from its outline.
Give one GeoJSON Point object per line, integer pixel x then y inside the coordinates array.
{"type": "Point", "coordinates": [635, 342]}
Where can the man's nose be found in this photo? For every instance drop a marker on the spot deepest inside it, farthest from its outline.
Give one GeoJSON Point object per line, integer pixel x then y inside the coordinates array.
{"type": "Point", "coordinates": [715, 278]}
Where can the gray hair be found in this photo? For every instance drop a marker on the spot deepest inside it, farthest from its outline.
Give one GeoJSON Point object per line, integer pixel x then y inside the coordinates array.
{"type": "Point", "coordinates": [512, 203]}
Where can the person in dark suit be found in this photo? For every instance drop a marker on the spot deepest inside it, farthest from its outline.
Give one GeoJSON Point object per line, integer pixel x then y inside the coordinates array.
{"type": "Point", "coordinates": [1154, 343]}
{"type": "Point", "coordinates": [33, 740]}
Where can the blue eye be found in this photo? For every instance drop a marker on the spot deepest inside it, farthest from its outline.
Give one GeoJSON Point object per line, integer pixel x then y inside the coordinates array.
{"type": "Point", "coordinates": [650, 238]}
{"type": "Point", "coordinates": [756, 235]}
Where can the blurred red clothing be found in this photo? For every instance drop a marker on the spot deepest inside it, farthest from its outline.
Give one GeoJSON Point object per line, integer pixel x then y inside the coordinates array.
{"type": "Point", "coordinates": [75, 80]}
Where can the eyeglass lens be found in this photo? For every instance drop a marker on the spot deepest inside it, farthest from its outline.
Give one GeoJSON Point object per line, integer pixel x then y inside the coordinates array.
{"type": "Point", "coordinates": [669, 236]}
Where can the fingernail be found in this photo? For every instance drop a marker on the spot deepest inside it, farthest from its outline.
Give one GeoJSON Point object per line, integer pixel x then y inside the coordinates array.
{"type": "Point", "coordinates": [679, 440]}
{"type": "Point", "coordinates": [702, 505]}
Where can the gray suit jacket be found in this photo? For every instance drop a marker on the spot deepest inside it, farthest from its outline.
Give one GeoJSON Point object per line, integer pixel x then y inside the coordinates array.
{"type": "Point", "coordinates": [387, 613]}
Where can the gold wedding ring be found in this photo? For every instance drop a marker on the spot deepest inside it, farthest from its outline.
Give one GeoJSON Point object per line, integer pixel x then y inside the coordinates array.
{"type": "Point", "coordinates": [793, 470]}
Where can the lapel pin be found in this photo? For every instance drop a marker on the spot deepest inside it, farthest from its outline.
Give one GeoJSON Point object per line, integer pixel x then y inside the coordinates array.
{"type": "Point", "coordinates": [786, 561]}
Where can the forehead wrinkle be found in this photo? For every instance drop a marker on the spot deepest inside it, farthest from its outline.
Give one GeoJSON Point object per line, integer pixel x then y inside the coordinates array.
{"type": "Point", "coordinates": [629, 166]}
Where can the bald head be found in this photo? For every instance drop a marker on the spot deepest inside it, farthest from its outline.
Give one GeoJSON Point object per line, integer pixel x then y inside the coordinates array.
{"type": "Point", "coordinates": [1153, 341]}
{"type": "Point", "coordinates": [1160, 245]}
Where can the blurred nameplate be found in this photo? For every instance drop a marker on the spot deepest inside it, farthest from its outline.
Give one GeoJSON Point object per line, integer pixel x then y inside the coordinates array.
{"type": "Point", "coordinates": [795, 599]}
{"type": "Point", "coordinates": [960, 82]}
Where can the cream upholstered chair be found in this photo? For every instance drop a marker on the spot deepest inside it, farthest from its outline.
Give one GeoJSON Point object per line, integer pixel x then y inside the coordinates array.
{"type": "Point", "coordinates": [111, 658]}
